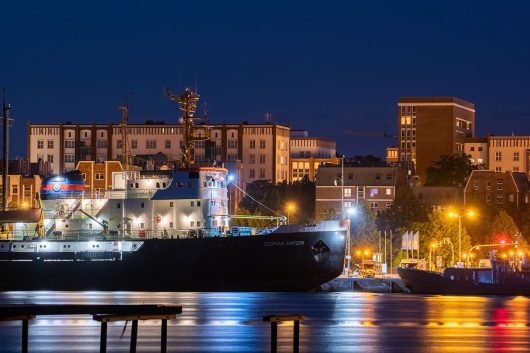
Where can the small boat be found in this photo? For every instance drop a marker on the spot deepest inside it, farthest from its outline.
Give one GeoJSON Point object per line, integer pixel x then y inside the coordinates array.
{"type": "Point", "coordinates": [502, 278]}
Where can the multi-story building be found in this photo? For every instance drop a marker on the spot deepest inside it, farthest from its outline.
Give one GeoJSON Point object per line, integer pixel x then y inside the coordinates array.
{"type": "Point", "coordinates": [262, 148]}
{"type": "Point", "coordinates": [21, 190]}
{"type": "Point", "coordinates": [98, 176]}
{"type": "Point", "coordinates": [509, 153]}
{"type": "Point", "coordinates": [375, 186]}
{"type": "Point", "coordinates": [308, 153]}
{"type": "Point", "coordinates": [508, 190]}
{"type": "Point", "coordinates": [429, 127]}
{"type": "Point", "coordinates": [477, 149]}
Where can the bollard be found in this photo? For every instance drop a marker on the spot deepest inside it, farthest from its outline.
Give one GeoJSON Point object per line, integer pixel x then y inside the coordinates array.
{"type": "Point", "coordinates": [274, 319]}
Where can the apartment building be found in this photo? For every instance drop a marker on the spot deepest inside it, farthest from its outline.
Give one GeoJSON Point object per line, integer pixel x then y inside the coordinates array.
{"type": "Point", "coordinates": [375, 186]}
{"type": "Point", "coordinates": [507, 190]}
{"type": "Point", "coordinates": [477, 149]}
{"type": "Point", "coordinates": [21, 190]}
{"type": "Point", "coordinates": [429, 127]}
{"type": "Point", "coordinates": [262, 148]}
{"type": "Point", "coordinates": [308, 153]}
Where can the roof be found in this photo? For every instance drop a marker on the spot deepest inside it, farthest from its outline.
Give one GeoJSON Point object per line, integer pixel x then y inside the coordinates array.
{"type": "Point", "coordinates": [369, 176]}
{"type": "Point", "coordinates": [435, 100]}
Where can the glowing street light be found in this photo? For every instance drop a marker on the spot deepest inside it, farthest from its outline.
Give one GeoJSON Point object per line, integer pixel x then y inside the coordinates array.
{"type": "Point", "coordinates": [351, 211]}
{"type": "Point", "coordinates": [290, 207]}
{"type": "Point", "coordinates": [452, 214]}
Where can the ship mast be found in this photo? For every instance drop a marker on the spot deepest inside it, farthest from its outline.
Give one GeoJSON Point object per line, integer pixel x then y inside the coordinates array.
{"type": "Point", "coordinates": [5, 154]}
{"type": "Point", "coordinates": [188, 104]}
{"type": "Point", "coordinates": [123, 130]}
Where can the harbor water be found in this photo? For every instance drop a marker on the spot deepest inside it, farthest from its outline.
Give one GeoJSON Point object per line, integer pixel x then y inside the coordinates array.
{"type": "Point", "coordinates": [336, 322]}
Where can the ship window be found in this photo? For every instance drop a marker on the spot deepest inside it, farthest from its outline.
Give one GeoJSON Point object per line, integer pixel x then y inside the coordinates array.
{"type": "Point", "coordinates": [118, 205]}
{"type": "Point", "coordinates": [198, 224]}
{"type": "Point", "coordinates": [189, 184]}
{"type": "Point", "coordinates": [136, 185]}
{"type": "Point", "coordinates": [158, 185]}
{"type": "Point", "coordinates": [204, 184]}
{"type": "Point", "coordinates": [192, 203]}
{"type": "Point", "coordinates": [142, 205]}
{"type": "Point", "coordinates": [22, 246]}
{"type": "Point", "coordinates": [142, 225]}
{"type": "Point", "coordinates": [192, 224]}
{"type": "Point", "coordinates": [64, 246]}
{"type": "Point", "coordinates": [180, 184]}
{"type": "Point", "coordinates": [170, 203]}
{"type": "Point", "coordinates": [163, 185]}
{"type": "Point", "coordinates": [14, 246]}
{"type": "Point", "coordinates": [170, 224]}
{"type": "Point", "coordinates": [198, 204]}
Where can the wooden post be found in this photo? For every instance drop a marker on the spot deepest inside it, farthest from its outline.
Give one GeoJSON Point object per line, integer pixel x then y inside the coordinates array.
{"type": "Point", "coordinates": [274, 319]}
{"type": "Point", "coordinates": [296, 336]}
{"type": "Point", "coordinates": [134, 335]}
{"type": "Point", "coordinates": [25, 334]}
{"type": "Point", "coordinates": [163, 338]}
{"type": "Point", "coordinates": [274, 337]}
{"type": "Point", "coordinates": [103, 338]}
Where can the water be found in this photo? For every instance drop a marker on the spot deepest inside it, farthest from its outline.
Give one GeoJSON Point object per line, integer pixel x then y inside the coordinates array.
{"type": "Point", "coordinates": [336, 322]}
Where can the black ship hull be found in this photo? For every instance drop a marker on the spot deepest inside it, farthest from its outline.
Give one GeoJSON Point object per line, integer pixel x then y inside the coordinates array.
{"type": "Point", "coordinates": [296, 261]}
{"type": "Point", "coordinates": [427, 282]}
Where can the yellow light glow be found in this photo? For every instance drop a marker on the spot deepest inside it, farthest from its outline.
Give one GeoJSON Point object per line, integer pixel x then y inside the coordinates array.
{"type": "Point", "coordinates": [520, 253]}
{"type": "Point", "coordinates": [471, 255]}
{"type": "Point", "coordinates": [504, 255]}
{"type": "Point", "coordinates": [464, 255]}
{"type": "Point", "coordinates": [511, 253]}
{"type": "Point", "coordinates": [367, 252]}
{"type": "Point", "coordinates": [358, 253]}
{"type": "Point", "coordinates": [433, 245]}
{"type": "Point", "coordinates": [471, 214]}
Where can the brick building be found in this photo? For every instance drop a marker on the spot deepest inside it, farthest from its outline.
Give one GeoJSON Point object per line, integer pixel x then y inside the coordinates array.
{"type": "Point", "coordinates": [429, 127]}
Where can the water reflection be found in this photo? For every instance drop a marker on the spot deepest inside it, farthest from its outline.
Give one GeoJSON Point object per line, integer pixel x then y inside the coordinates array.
{"type": "Point", "coordinates": [336, 322]}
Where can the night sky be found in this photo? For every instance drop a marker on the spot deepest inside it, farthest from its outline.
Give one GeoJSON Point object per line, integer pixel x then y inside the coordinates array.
{"type": "Point", "coordinates": [321, 66]}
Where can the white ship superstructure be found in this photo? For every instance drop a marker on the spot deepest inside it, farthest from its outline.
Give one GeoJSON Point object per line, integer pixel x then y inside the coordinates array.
{"type": "Point", "coordinates": [185, 202]}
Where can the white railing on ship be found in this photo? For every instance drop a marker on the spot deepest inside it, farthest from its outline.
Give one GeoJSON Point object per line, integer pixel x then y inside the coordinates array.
{"type": "Point", "coordinates": [108, 194]}
{"type": "Point", "coordinates": [114, 235]}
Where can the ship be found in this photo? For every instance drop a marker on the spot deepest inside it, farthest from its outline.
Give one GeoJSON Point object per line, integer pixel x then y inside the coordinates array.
{"type": "Point", "coordinates": [160, 230]}
{"type": "Point", "coordinates": [502, 278]}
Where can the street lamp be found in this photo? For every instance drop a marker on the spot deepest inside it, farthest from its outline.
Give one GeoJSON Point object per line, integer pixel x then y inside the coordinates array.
{"type": "Point", "coordinates": [290, 207]}
{"type": "Point", "coordinates": [433, 245]}
{"type": "Point", "coordinates": [460, 216]}
{"type": "Point", "coordinates": [351, 211]}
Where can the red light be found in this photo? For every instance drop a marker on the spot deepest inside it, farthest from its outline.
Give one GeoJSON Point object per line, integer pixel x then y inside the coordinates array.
{"type": "Point", "coordinates": [503, 242]}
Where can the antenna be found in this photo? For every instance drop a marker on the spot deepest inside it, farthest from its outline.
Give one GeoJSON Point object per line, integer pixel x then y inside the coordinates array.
{"type": "Point", "coordinates": [124, 122]}
{"type": "Point", "coordinates": [5, 151]}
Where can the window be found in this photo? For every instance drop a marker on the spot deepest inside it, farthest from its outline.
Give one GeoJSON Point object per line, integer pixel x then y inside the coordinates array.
{"type": "Point", "coordinates": [252, 159]}
{"type": "Point", "coordinates": [498, 156]}
{"type": "Point", "coordinates": [50, 144]}
{"type": "Point", "coordinates": [347, 204]}
{"type": "Point", "coordinates": [515, 169]}
{"type": "Point", "coordinates": [40, 144]}
{"type": "Point", "coordinates": [192, 224]}
{"type": "Point", "coordinates": [374, 205]}
{"type": "Point", "coordinates": [347, 192]}
{"type": "Point", "coordinates": [134, 144]}
{"type": "Point", "coordinates": [69, 158]}
{"type": "Point", "coordinates": [475, 185]}
{"type": "Point", "coordinates": [498, 169]}
{"type": "Point", "coordinates": [150, 144]}
{"type": "Point", "coordinates": [198, 223]}
{"type": "Point", "coordinates": [516, 156]}
{"type": "Point", "coordinates": [198, 204]}
{"type": "Point", "coordinates": [499, 184]}
{"type": "Point", "coordinates": [511, 198]}
{"type": "Point", "coordinates": [101, 144]}
{"type": "Point", "coordinates": [252, 144]}
{"type": "Point", "coordinates": [14, 190]}
{"type": "Point", "coordinates": [472, 149]}
{"type": "Point", "coordinates": [50, 158]}
{"type": "Point", "coordinates": [192, 203]}
{"type": "Point", "coordinates": [488, 197]}
{"type": "Point", "coordinates": [142, 205]}
{"type": "Point", "coordinates": [69, 144]}
{"type": "Point", "coordinates": [167, 144]}
{"type": "Point", "coordinates": [119, 144]}
{"type": "Point", "coordinates": [262, 173]}
{"type": "Point", "coordinates": [480, 148]}
{"type": "Point", "coordinates": [388, 191]}
{"type": "Point", "coordinates": [232, 143]}
{"type": "Point", "coordinates": [262, 158]}
{"type": "Point", "coordinates": [99, 176]}
{"type": "Point", "coordinates": [488, 185]}
{"type": "Point", "coordinates": [262, 144]}
{"type": "Point", "coordinates": [374, 192]}
{"type": "Point", "coordinates": [170, 203]}
{"type": "Point", "coordinates": [251, 173]}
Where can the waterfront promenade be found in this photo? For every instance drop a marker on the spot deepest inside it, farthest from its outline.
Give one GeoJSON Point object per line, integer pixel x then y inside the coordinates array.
{"type": "Point", "coordinates": [336, 322]}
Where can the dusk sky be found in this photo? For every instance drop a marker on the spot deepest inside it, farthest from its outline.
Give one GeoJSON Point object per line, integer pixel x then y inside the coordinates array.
{"type": "Point", "coordinates": [320, 66]}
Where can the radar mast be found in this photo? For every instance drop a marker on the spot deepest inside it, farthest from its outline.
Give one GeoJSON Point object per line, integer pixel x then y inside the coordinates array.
{"type": "Point", "coordinates": [187, 102]}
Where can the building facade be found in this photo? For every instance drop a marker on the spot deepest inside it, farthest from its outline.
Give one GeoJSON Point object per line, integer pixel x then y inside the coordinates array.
{"type": "Point", "coordinates": [477, 149]}
{"type": "Point", "coordinates": [508, 190]}
{"type": "Point", "coordinates": [21, 191]}
{"type": "Point", "coordinates": [263, 149]}
{"type": "Point", "coordinates": [374, 186]}
{"type": "Point", "coordinates": [429, 127]}
{"type": "Point", "coordinates": [308, 153]}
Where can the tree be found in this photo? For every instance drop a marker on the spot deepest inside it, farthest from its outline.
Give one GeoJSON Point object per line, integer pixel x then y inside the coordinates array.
{"type": "Point", "coordinates": [325, 214]}
{"type": "Point", "coordinates": [404, 211]}
{"type": "Point", "coordinates": [450, 170]}
{"type": "Point", "coordinates": [277, 197]}
{"type": "Point", "coordinates": [363, 230]}
{"type": "Point", "coordinates": [502, 227]}
{"type": "Point", "coordinates": [438, 227]}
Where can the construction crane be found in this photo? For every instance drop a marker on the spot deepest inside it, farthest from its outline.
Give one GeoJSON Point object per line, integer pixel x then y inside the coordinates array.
{"type": "Point", "coordinates": [369, 133]}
